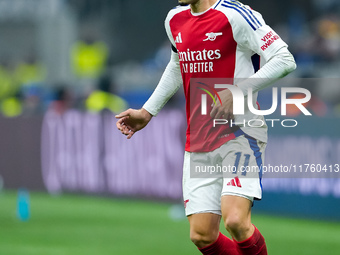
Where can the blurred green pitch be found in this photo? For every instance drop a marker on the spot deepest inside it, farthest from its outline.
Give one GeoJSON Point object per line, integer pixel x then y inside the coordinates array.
{"type": "Point", "coordinates": [70, 224]}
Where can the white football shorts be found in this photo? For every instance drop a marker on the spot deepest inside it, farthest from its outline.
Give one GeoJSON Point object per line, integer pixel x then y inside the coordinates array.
{"type": "Point", "coordinates": [234, 169]}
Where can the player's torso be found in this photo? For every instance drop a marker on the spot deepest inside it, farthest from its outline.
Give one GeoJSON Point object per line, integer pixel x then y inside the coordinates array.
{"type": "Point", "coordinates": [215, 47]}
{"type": "Point", "coordinates": [207, 50]}
{"type": "Point", "coordinates": [205, 45]}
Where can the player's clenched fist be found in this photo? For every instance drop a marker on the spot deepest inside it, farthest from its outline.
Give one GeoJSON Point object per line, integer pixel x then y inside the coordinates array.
{"type": "Point", "coordinates": [131, 121]}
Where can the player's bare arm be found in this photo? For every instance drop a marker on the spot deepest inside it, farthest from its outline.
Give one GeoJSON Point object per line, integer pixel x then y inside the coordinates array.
{"type": "Point", "coordinates": [131, 121]}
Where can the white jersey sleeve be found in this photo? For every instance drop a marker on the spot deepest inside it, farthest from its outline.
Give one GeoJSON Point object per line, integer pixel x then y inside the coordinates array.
{"type": "Point", "coordinates": [167, 27]}
{"type": "Point", "coordinates": [171, 79]}
{"type": "Point", "coordinates": [168, 85]}
{"type": "Point", "coordinates": [281, 64]}
{"type": "Point", "coordinates": [252, 34]}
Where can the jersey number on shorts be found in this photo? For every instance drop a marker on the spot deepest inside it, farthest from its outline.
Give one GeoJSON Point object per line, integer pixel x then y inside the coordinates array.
{"type": "Point", "coordinates": [237, 162]}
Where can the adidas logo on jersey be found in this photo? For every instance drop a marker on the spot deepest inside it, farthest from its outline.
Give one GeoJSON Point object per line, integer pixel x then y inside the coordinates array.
{"type": "Point", "coordinates": [235, 182]}
{"type": "Point", "coordinates": [179, 38]}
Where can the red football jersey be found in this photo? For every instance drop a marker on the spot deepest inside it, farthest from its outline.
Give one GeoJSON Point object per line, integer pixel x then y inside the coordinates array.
{"type": "Point", "coordinates": [219, 43]}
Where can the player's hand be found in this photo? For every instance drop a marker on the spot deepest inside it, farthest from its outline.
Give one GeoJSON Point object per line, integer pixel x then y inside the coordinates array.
{"type": "Point", "coordinates": [226, 109]}
{"type": "Point", "coordinates": [131, 121]}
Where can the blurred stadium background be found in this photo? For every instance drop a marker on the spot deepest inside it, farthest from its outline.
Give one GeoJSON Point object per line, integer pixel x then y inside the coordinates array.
{"type": "Point", "coordinates": [71, 184]}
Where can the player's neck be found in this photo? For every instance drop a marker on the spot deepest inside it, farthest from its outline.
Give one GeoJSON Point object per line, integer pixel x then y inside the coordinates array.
{"type": "Point", "coordinates": [202, 5]}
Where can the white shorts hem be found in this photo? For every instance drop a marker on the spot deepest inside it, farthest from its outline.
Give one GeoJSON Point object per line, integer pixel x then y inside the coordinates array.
{"type": "Point", "coordinates": [205, 211]}
{"type": "Point", "coordinates": [237, 195]}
